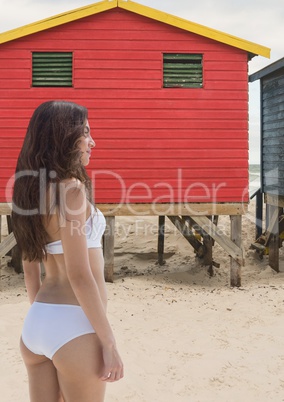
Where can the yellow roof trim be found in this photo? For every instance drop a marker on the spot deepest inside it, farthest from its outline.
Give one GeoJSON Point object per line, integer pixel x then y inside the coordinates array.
{"type": "Point", "coordinates": [145, 11]}
{"type": "Point", "coordinates": [57, 20]}
{"type": "Point", "coordinates": [195, 28]}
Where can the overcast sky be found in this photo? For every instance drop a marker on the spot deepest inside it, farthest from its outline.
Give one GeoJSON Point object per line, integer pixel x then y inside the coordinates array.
{"type": "Point", "coordinates": [258, 21]}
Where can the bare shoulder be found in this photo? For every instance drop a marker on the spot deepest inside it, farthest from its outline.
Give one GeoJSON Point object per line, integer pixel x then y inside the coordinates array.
{"type": "Point", "coordinates": [72, 186]}
{"type": "Point", "coordinates": [72, 194]}
{"type": "Point", "coordinates": [72, 183]}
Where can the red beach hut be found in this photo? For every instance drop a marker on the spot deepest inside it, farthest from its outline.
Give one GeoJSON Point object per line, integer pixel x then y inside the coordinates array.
{"type": "Point", "coordinates": [168, 107]}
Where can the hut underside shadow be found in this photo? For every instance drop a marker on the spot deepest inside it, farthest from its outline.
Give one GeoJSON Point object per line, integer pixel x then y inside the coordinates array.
{"type": "Point", "coordinates": [270, 240]}
{"type": "Point", "coordinates": [199, 230]}
{"type": "Point", "coordinates": [196, 222]}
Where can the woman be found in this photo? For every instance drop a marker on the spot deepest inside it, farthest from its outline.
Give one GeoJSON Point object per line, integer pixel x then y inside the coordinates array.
{"type": "Point", "coordinates": [67, 343]}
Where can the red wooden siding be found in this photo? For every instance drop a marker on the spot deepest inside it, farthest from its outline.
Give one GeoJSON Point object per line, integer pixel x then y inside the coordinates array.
{"type": "Point", "coordinates": [181, 145]}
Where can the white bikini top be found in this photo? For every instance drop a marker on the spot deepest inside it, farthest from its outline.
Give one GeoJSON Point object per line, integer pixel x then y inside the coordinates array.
{"type": "Point", "coordinates": [93, 229]}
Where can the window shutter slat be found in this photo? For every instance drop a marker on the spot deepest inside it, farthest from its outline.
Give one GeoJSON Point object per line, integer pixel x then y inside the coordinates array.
{"type": "Point", "coordinates": [182, 70]}
{"type": "Point", "coordinates": [52, 69]}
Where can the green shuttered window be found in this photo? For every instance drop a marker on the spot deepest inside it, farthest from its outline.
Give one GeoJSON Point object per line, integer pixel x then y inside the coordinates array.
{"type": "Point", "coordinates": [182, 70]}
{"type": "Point", "coordinates": [52, 69]}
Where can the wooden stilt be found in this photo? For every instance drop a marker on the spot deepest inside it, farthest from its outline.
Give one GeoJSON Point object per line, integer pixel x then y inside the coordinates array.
{"type": "Point", "coordinates": [273, 222]}
{"type": "Point", "coordinates": [274, 252]}
{"type": "Point", "coordinates": [236, 237]}
{"type": "Point", "coordinates": [273, 236]}
{"type": "Point", "coordinates": [208, 242]}
{"type": "Point", "coordinates": [0, 236]}
{"type": "Point", "coordinates": [215, 222]}
{"type": "Point", "coordinates": [9, 227]}
{"type": "Point", "coordinates": [7, 244]}
{"type": "Point", "coordinates": [161, 240]}
{"type": "Point", "coordinates": [108, 248]}
{"type": "Point", "coordinates": [258, 214]}
{"type": "Point", "coordinates": [181, 225]}
{"type": "Point", "coordinates": [208, 256]}
{"type": "Point", "coordinates": [16, 261]}
{"type": "Point", "coordinates": [228, 245]}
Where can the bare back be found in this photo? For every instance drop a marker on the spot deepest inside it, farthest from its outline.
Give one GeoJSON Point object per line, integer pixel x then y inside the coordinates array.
{"type": "Point", "coordinates": [56, 287]}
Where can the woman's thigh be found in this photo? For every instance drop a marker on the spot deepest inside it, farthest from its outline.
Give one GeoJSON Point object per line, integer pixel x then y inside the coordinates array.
{"type": "Point", "coordinates": [79, 365]}
{"type": "Point", "coordinates": [43, 381]}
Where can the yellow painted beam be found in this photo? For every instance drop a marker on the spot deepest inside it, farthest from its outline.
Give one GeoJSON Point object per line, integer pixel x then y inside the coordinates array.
{"type": "Point", "coordinates": [57, 20]}
{"type": "Point", "coordinates": [145, 11]}
{"type": "Point", "coordinates": [194, 28]}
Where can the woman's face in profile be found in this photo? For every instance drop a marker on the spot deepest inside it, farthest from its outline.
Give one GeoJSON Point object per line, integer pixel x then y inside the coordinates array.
{"type": "Point", "coordinates": [86, 144]}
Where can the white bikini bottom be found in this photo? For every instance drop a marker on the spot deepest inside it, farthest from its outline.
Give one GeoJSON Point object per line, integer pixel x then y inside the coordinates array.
{"type": "Point", "coordinates": [48, 327]}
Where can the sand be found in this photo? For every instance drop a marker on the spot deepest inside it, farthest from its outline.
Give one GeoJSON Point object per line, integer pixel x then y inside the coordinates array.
{"type": "Point", "coordinates": [184, 336]}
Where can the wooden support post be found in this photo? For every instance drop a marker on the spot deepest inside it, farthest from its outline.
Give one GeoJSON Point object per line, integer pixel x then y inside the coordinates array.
{"type": "Point", "coordinates": [215, 222]}
{"type": "Point", "coordinates": [208, 256]}
{"type": "Point", "coordinates": [236, 237]}
{"type": "Point", "coordinates": [208, 244]}
{"type": "Point", "coordinates": [108, 248]}
{"type": "Point", "coordinates": [16, 261]}
{"type": "Point", "coordinates": [0, 236]}
{"type": "Point", "coordinates": [161, 240]}
{"type": "Point", "coordinates": [274, 252]}
{"type": "Point", "coordinates": [9, 227]}
{"type": "Point", "coordinates": [273, 222]}
{"type": "Point", "coordinates": [228, 245]}
{"type": "Point", "coordinates": [273, 236]}
{"type": "Point", "coordinates": [7, 244]}
{"type": "Point", "coordinates": [258, 214]}
{"type": "Point", "coordinates": [180, 224]}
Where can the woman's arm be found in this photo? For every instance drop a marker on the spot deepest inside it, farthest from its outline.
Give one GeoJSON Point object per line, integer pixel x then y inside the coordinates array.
{"type": "Point", "coordinates": [32, 278]}
{"type": "Point", "coordinates": [82, 280]}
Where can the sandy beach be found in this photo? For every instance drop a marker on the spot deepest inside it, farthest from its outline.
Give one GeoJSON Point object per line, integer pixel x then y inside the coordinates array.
{"type": "Point", "coordinates": [184, 336]}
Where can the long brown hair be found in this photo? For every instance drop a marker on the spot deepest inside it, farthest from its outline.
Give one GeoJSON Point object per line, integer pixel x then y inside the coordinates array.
{"type": "Point", "coordinates": [49, 154]}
